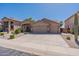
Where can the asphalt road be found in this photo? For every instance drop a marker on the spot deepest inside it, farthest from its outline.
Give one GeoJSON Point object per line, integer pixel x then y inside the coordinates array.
{"type": "Point", "coordinates": [11, 52]}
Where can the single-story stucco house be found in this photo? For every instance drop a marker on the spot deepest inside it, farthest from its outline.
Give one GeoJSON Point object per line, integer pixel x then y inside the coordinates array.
{"type": "Point", "coordinates": [41, 26]}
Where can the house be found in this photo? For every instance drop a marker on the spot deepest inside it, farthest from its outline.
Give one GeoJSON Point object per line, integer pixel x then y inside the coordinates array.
{"type": "Point", "coordinates": [26, 25]}
{"type": "Point", "coordinates": [1, 26]}
{"type": "Point", "coordinates": [41, 26]}
{"type": "Point", "coordinates": [10, 24]}
{"type": "Point", "coordinates": [69, 23]}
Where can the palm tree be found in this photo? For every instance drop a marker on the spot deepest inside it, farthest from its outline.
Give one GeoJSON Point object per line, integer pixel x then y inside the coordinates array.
{"type": "Point", "coordinates": [76, 28]}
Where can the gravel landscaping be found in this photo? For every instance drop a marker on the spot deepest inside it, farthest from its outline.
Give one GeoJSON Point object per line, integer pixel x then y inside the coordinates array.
{"type": "Point", "coordinates": [70, 42]}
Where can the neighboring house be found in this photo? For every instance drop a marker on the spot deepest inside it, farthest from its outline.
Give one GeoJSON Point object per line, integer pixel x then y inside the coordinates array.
{"type": "Point", "coordinates": [69, 23]}
{"type": "Point", "coordinates": [26, 25]}
{"type": "Point", "coordinates": [41, 26]}
{"type": "Point", "coordinates": [10, 25]}
{"type": "Point", "coordinates": [1, 26]}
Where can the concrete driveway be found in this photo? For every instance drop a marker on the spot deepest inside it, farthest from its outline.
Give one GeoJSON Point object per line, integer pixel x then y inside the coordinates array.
{"type": "Point", "coordinates": [39, 44]}
{"type": "Point", "coordinates": [43, 39]}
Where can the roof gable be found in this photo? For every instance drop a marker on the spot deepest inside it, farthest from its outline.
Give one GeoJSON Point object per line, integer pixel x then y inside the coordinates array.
{"type": "Point", "coordinates": [48, 21]}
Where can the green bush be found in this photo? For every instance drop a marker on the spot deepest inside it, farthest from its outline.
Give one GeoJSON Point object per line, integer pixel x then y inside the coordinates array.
{"type": "Point", "coordinates": [17, 31]}
{"type": "Point", "coordinates": [1, 34]}
{"type": "Point", "coordinates": [21, 31]}
{"type": "Point", "coordinates": [68, 38]}
{"type": "Point", "coordinates": [12, 36]}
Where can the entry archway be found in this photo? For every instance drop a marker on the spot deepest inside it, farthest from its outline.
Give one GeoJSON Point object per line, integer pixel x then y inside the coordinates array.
{"type": "Point", "coordinates": [28, 28]}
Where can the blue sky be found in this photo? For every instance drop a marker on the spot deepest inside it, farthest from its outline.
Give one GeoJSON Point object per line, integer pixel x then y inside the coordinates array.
{"type": "Point", "coordinates": [38, 11]}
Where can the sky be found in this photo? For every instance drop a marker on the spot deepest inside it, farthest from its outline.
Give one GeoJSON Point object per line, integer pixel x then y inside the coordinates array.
{"type": "Point", "coordinates": [37, 11]}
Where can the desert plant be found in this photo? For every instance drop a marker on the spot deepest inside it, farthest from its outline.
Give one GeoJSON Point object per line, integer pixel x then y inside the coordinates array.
{"type": "Point", "coordinates": [76, 28]}
{"type": "Point", "coordinates": [17, 31]}
{"type": "Point", "coordinates": [12, 36]}
{"type": "Point", "coordinates": [68, 38]}
{"type": "Point", "coordinates": [1, 33]}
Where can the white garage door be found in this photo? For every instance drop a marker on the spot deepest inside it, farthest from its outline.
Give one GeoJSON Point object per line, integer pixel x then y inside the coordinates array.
{"type": "Point", "coordinates": [40, 29]}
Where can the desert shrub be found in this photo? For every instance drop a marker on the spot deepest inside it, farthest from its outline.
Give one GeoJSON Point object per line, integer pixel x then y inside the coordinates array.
{"type": "Point", "coordinates": [21, 30]}
{"type": "Point", "coordinates": [17, 31]}
{"type": "Point", "coordinates": [1, 33]}
{"type": "Point", "coordinates": [68, 38]}
{"type": "Point", "coordinates": [12, 36]}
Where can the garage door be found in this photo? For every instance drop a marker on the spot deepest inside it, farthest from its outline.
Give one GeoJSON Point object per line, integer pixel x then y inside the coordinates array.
{"type": "Point", "coordinates": [40, 29]}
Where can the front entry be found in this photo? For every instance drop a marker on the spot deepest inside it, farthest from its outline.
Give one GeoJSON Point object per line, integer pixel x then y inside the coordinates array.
{"type": "Point", "coordinates": [28, 29]}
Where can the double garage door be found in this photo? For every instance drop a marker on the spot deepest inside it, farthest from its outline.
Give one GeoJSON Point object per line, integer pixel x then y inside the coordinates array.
{"type": "Point", "coordinates": [44, 29]}
{"type": "Point", "coordinates": [40, 29]}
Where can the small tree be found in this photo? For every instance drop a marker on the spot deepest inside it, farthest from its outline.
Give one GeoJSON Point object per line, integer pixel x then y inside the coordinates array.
{"type": "Point", "coordinates": [29, 19]}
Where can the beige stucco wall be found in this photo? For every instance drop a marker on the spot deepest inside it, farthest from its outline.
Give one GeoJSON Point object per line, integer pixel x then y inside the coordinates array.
{"type": "Point", "coordinates": [54, 28]}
